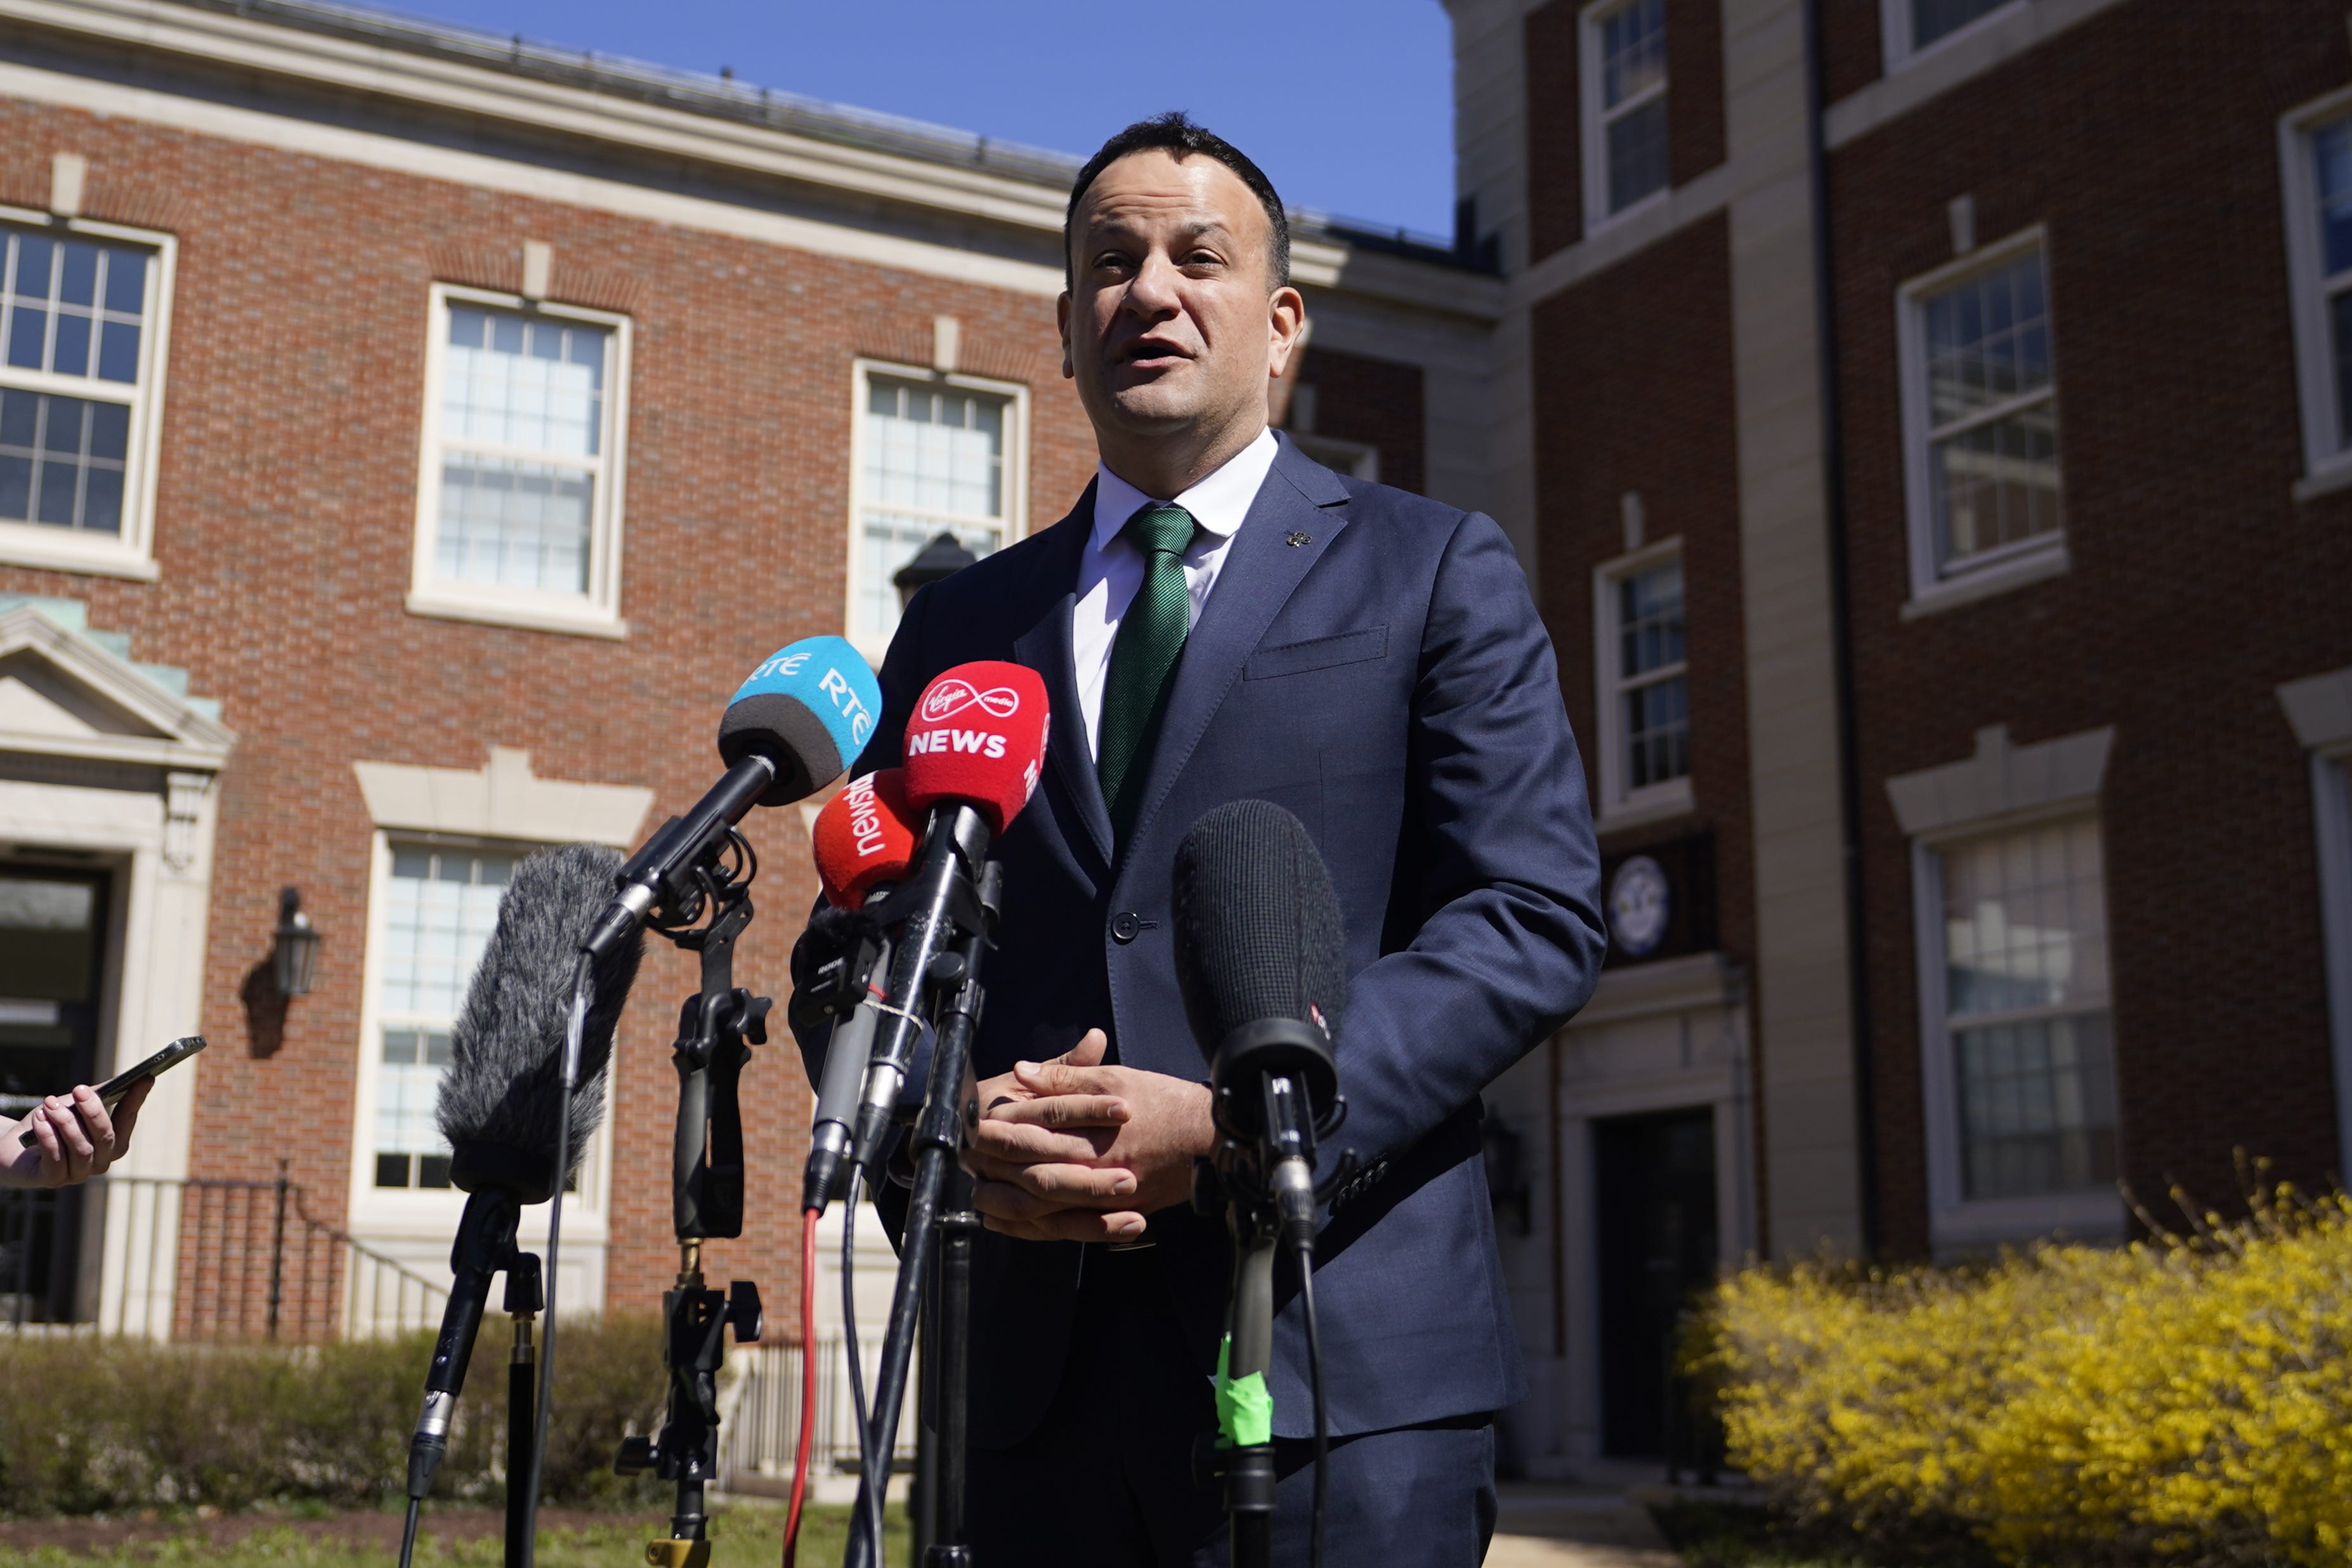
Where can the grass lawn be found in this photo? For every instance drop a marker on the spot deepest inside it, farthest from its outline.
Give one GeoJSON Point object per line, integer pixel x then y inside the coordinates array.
{"type": "Point", "coordinates": [1736, 1535]}
{"type": "Point", "coordinates": [742, 1536]}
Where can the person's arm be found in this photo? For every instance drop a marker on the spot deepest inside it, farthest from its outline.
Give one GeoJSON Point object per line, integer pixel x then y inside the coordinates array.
{"type": "Point", "coordinates": [74, 1137]}
{"type": "Point", "coordinates": [1498, 851]}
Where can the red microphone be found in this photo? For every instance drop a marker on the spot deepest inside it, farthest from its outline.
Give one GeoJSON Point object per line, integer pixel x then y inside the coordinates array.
{"type": "Point", "coordinates": [978, 736]}
{"type": "Point", "coordinates": [865, 834]}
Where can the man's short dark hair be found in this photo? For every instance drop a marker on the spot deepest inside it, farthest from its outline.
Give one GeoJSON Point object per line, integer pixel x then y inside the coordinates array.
{"type": "Point", "coordinates": [1176, 133]}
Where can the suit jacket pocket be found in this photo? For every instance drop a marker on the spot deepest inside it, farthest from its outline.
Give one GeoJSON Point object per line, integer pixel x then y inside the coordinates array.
{"type": "Point", "coordinates": [1319, 653]}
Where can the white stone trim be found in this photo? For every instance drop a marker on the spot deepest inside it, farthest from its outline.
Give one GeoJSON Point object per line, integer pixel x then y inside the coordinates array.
{"type": "Point", "coordinates": [503, 799]}
{"type": "Point", "coordinates": [2319, 708]}
{"type": "Point", "coordinates": [2001, 780]}
{"type": "Point", "coordinates": [176, 735]}
{"type": "Point", "coordinates": [1951, 61]}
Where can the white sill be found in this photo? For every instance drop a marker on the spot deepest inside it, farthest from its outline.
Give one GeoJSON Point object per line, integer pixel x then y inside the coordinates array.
{"type": "Point", "coordinates": [1600, 223]}
{"type": "Point", "coordinates": [528, 617]}
{"type": "Point", "coordinates": [1657, 803]}
{"type": "Point", "coordinates": [2324, 482]}
{"type": "Point", "coordinates": [2000, 577]}
{"type": "Point", "coordinates": [69, 549]}
{"type": "Point", "coordinates": [2094, 1214]}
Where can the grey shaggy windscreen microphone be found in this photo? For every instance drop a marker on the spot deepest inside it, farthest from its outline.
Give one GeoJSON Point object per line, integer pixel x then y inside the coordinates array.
{"type": "Point", "coordinates": [502, 1093]}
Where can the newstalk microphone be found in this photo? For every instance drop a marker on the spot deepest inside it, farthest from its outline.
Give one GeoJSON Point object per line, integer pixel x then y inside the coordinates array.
{"type": "Point", "coordinates": [1261, 962]}
{"type": "Point", "coordinates": [503, 1111]}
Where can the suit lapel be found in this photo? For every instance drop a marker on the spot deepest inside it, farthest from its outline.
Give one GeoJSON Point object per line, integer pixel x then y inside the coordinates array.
{"type": "Point", "coordinates": [1045, 648]}
{"type": "Point", "coordinates": [1300, 498]}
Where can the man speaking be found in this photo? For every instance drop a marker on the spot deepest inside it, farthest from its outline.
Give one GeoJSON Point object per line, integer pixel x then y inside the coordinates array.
{"type": "Point", "coordinates": [1221, 618]}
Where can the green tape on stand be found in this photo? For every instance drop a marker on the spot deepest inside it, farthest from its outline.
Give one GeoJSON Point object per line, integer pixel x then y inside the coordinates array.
{"type": "Point", "coordinates": [1244, 1406]}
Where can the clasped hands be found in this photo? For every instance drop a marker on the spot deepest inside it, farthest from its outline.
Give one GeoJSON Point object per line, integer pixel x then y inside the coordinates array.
{"type": "Point", "coordinates": [1070, 1150]}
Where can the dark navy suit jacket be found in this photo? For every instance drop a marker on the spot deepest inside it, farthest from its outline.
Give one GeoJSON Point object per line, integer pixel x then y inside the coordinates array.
{"type": "Point", "coordinates": [1372, 661]}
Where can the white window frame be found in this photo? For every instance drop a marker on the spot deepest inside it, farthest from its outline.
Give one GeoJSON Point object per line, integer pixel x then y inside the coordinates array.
{"type": "Point", "coordinates": [1992, 571]}
{"type": "Point", "coordinates": [131, 552]}
{"type": "Point", "coordinates": [1957, 1222]}
{"type": "Point", "coordinates": [1357, 459]}
{"type": "Point", "coordinates": [2327, 451]}
{"type": "Point", "coordinates": [596, 612]}
{"type": "Point", "coordinates": [1895, 32]}
{"type": "Point", "coordinates": [1015, 522]}
{"type": "Point", "coordinates": [399, 1214]}
{"type": "Point", "coordinates": [1622, 807]}
{"type": "Point", "coordinates": [1593, 134]}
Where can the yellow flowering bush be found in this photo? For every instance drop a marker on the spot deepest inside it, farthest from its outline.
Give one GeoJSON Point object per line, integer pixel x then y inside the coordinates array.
{"type": "Point", "coordinates": [2185, 1400]}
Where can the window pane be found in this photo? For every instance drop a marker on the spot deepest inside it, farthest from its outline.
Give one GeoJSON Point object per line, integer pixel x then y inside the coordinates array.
{"type": "Point", "coordinates": [61, 460]}
{"type": "Point", "coordinates": [1633, 51]}
{"type": "Point", "coordinates": [2025, 922]}
{"type": "Point", "coordinates": [1996, 484]}
{"type": "Point", "coordinates": [1657, 732]}
{"type": "Point", "coordinates": [519, 525]}
{"type": "Point", "coordinates": [1637, 155]}
{"type": "Point", "coordinates": [1650, 620]}
{"type": "Point", "coordinates": [2037, 1111]}
{"type": "Point", "coordinates": [64, 298]}
{"type": "Point", "coordinates": [441, 905]}
{"type": "Point", "coordinates": [1931, 19]}
{"type": "Point", "coordinates": [126, 282]}
{"type": "Point", "coordinates": [536, 383]}
{"type": "Point", "coordinates": [929, 449]}
{"type": "Point", "coordinates": [1987, 341]}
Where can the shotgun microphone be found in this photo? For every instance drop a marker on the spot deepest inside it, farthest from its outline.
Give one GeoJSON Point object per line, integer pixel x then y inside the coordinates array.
{"type": "Point", "coordinates": [501, 1105]}
{"type": "Point", "coordinates": [789, 730]}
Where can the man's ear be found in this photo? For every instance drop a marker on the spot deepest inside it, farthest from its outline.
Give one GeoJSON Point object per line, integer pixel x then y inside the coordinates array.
{"type": "Point", "coordinates": [1061, 322]}
{"type": "Point", "coordinates": [1285, 311]}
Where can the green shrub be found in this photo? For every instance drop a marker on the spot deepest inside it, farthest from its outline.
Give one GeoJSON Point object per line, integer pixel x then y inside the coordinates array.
{"type": "Point", "coordinates": [98, 1424]}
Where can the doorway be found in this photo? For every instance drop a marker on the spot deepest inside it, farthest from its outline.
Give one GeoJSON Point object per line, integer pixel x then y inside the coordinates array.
{"type": "Point", "coordinates": [53, 925]}
{"type": "Point", "coordinates": [1655, 1201]}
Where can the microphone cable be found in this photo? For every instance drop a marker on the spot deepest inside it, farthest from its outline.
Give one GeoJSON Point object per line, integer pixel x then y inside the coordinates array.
{"type": "Point", "coordinates": [584, 983]}
{"type": "Point", "coordinates": [808, 1384]}
{"type": "Point", "coordinates": [856, 1369]}
{"type": "Point", "coordinates": [408, 1533]}
{"type": "Point", "coordinates": [1322, 1414]}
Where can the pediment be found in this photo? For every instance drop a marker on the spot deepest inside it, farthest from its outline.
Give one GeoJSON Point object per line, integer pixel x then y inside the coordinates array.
{"type": "Point", "coordinates": [62, 694]}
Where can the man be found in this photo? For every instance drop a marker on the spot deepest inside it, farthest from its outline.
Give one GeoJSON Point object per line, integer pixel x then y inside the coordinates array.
{"type": "Point", "coordinates": [1221, 618]}
{"type": "Point", "coordinates": [74, 1137]}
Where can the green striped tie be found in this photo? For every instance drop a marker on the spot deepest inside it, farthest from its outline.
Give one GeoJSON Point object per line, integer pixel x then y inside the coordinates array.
{"type": "Point", "coordinates": [1143, 658]}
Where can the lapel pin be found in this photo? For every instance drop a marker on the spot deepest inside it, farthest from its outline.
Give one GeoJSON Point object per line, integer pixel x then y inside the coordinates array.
{"type": "Point", "coordinates": [1296, 540]}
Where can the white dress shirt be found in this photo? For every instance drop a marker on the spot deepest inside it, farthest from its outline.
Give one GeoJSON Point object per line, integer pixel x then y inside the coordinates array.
{"type": "Point", "coordinates": [1112, 570]}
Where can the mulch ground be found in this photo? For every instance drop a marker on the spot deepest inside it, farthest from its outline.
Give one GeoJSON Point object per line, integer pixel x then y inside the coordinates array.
{"type": "Point", "coordinates": [377, 1529]}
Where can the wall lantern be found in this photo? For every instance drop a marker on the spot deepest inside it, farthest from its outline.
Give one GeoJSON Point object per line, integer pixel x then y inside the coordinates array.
{"type": "Point", "coordinates": [942, 557]}
{"type": "Point", "coordinates": [295, 959]}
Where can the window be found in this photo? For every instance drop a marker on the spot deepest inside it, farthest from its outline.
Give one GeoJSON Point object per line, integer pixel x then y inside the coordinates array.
{"type": "Point", "coordinates": [935, 454]}
{"type": "Point", "coordinates": [440, 906]}
{"type": "Point", "coordinates": [1644, 697]}
{"type": "Point", "coordinates": [81, 364]}
{"type": "Point", "coordinates": [1624, 94]}
{"type": "Point", "coordinates": [2020, 1027]}
{"type": "Point", "coordinates": [2318, 182]}
{"type": "Point", "coordinates": [520, 507]}
{"type": "Point", "coordinates": [1911, 25]}
{"type": "Point", "coordinates": [1981, 415]}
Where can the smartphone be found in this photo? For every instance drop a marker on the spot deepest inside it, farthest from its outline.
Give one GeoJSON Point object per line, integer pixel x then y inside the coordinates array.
{"type": "Point", "coordinates": [110, 1093]}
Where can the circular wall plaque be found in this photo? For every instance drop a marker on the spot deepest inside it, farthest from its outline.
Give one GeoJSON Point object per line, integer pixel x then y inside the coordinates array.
{"type": "Point", "coordinates": [1640, 903]}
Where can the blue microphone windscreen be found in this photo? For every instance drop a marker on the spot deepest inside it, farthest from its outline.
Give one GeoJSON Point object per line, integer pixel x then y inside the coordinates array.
{"type": "Point", "coordinates": [810, 709]}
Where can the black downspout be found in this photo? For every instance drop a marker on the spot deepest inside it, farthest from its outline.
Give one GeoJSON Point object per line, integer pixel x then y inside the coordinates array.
{"type": "Point", "coordinates": [1825, 352]}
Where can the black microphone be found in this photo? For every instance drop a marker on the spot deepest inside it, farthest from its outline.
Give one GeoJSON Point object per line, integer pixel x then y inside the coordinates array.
{"type": "Point", "coordinates": [502, 1107]}
{"type": "Point", "coordinates": [1260, 960]}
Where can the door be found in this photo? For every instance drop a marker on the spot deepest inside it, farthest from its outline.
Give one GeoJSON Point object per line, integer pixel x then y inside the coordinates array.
{"type": "Point", "coordinates": [1654, 1186]}
{"type": "Point", "coordinates": [52, 953]}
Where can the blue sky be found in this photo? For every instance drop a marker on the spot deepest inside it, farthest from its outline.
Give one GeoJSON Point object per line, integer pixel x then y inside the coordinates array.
{"type": "Point", "coordinates": [1347, 104]}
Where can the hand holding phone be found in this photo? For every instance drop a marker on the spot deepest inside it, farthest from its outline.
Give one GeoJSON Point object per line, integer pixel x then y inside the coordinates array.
{"type": "Point", "coordinates": [112, 1093]}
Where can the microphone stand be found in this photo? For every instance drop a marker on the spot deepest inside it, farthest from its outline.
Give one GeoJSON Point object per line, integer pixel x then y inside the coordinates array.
{"type": "Point", "coordinates": [525, 1301]}
{"type": "Point", "coordinates": [950, 905]}
{"type": "Point", "coordinates": [706, 1201]}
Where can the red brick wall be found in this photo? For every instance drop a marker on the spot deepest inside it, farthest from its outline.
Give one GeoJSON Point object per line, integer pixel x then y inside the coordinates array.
{"type": "Point", "coordinates": [1633, 391]}
{"type": "Point", "coordinates": [2197, 584]}
{"type": "Point", "coordinates": [1375, 401]}
{"type": "Point", "coordinates": [1695, 135]}
{"type": "Point", "coordinates": [1851, 52]}
{"type": "Point", "coordinates": [285, 523]}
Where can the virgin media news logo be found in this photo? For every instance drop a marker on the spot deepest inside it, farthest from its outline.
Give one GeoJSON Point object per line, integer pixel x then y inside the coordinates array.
{"type": "Point", "coordinates": [947, 698]}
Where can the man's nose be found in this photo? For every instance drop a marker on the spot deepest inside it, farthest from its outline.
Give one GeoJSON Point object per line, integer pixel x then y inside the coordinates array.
{"type": "Point", "coordinates": [1153, 293]}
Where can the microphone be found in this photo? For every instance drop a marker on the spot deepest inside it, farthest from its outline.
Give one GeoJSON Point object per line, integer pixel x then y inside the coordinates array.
{"type": "Point", "coordinates": [1261, 962]}
{"type": "Point", "coordinates": [863, 842]}
{"type": "Point", "coordinates": [975, 747]}
{"type": "Point", "coordinates": [791, 729]}
{"type": "Point", "coordinates": [502, 1107]}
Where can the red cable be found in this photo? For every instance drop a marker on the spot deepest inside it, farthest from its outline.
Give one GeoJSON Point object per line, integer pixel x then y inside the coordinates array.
{"type": "Point", "coordinates": [808, 1384]}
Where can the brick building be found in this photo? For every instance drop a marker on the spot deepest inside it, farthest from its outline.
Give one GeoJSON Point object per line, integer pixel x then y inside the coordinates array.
{"type": "Point", "coordinates": [408, 438]}
{"type": "Point", "coordinates": [1968, 737]}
